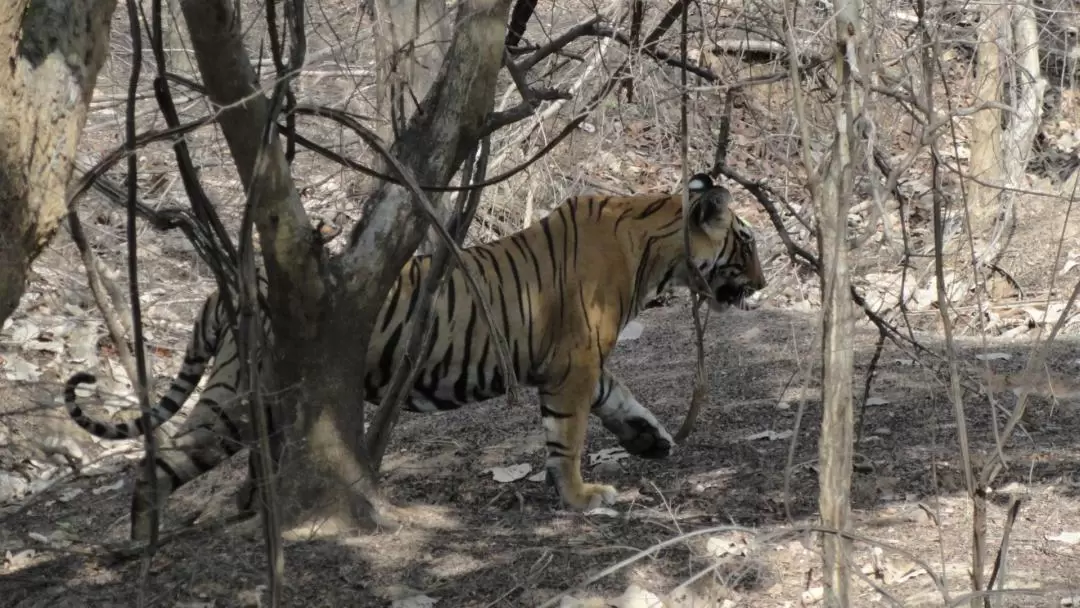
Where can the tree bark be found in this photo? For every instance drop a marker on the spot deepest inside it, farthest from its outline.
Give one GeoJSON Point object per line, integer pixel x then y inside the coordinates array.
{"type": "Point", "coordinates": [323, 310]}
{"type": "Point", "coordinates": [985, 166]}
{"type": "Point", "coordinates": [412, 40]}
{"type": "Point", "coordinates": [836, 444]}
{"type": "Point", "coordinates": [54, 51]}
{"type": "Point", "coordinates": [413, 37]}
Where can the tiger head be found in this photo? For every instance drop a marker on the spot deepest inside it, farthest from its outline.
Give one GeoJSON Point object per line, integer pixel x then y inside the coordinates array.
{"type": "Point", "coordinates": [721, 247]}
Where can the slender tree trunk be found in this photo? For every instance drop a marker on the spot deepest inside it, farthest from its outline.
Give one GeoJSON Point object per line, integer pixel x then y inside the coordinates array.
{"type": "Point", "coordinates": [53, 51]}
{"type": "Point", "coordinates": [837, 424]}
{"type": "Point", "coordinates": [986, 164]}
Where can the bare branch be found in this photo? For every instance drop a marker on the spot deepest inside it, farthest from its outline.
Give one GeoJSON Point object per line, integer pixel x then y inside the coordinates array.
{"type": "Point", "coordinates": [142, 389]}
{"type": "Point", "coordinates": [107, 295]}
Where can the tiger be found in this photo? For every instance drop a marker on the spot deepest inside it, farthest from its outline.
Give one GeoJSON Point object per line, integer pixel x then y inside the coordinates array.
{"type": "Point", "coordinates": [560, 291]}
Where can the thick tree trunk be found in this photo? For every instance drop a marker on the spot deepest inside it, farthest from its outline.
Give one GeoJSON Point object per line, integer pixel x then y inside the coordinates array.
{"type": "Point", "coordinates": [53, 51]}
{"type": "Point", "coordinates": [321, 329]}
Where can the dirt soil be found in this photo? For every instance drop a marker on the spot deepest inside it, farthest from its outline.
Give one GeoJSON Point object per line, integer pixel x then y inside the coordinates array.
{"type": "Point", "coordinates": [472, 541]}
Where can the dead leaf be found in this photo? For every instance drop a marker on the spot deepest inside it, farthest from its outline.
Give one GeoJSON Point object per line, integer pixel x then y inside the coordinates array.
{"type": "Point", "coordinates": [632, 331]}
{"type": "Point", "coordinates": [813, 595]}
{"type": "Point", "coordinates": [18, 369]}
{"type": "Point", "coordinates": [1069, 538]}
{"type": "Point", "coordinates": [637, 597]}
{"type": "Point", "coordinates": [993, 356]}
{"type": "Point", "coordinates": [43, 345]}
{"type": "Point", "coordinates": [18, 560]}
{"type": "Point", "coordinates": [69, 494]}
{"type": "Point", "coordinates": [415, 601]}
{"type": "Point", "coordinates": [510, 473]}
{"type": "Point", "coordinates": [728, 545]}
{"type": "Point", "coordinates": [82, 345]}
{"type": "Point", "coordinates": [107, 488]}
{"type": "Point", "coordinates": [1069, 265]}
{"type": "Point", "coordinates": [23, 331]}
{"type": "Point", "coordinates": [871, 401]}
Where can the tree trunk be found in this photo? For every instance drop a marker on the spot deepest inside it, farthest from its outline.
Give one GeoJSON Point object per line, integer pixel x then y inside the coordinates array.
{"type": "Point", "coordinates": [53, 53]}
{"type": "Point", "coordinates": [321, 329]}
{"type": "Point", "coordinates": [836, 444]}
{"type": "Point", "coordinates": [412, 39]}
{"type": "Point", "coordinates": [985, 166]}
{"type": "Point", "coordinates": [1022, 125]}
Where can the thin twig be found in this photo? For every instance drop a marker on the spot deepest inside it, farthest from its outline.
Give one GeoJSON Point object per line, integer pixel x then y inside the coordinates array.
{"type": "Point", "coordinates": [105, 293]}
{"type": "Point", "coordinates": [701, 386]}
{"type": "Point", "coordinates": [878, 347]}
{"type": "Point", "coordinates": [975, 492]}
{"type": "Point", "coordinates": [999, 571]}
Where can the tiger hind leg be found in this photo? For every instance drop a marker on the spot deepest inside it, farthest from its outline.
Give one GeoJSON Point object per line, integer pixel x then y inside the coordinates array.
{"type": "Point", "coordinates": [636, 428]}
{"type": "Point", "coordinates": [565, 415]}
{"type": "Point", "coordinates": [179, 460]}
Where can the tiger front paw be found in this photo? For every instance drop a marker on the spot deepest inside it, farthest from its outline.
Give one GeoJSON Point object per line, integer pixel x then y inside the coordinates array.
{"type": "Point", "coordinates": [590, 496]}
{"type": "Point", "coordinates": [580, 496]}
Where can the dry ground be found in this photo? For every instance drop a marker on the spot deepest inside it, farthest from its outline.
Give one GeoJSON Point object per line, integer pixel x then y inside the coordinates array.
{"type": "Point", "coordinates": [471, 541]}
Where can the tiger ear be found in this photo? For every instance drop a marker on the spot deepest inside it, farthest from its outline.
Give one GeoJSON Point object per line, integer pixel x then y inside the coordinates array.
{"type": "Point", "coordinates": [709, 202]}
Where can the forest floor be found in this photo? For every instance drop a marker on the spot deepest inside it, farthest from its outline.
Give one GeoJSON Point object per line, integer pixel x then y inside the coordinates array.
{"type": "Point", "coordinates": [469, 540]}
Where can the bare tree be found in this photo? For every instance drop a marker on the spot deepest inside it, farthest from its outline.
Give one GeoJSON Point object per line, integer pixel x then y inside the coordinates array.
{"type": "Point", "coordinates": [831, 186]}
{"type": "Point", "coordinates": [53, 53]}
{"type": "Point", "coordinates": [323, 309]}
{"type": "Point", "coordinates": [1007, 59]}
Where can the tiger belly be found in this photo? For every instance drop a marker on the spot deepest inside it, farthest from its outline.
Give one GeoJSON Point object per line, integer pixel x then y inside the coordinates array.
{"type": "Point", "coordinates": [436, 391]}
